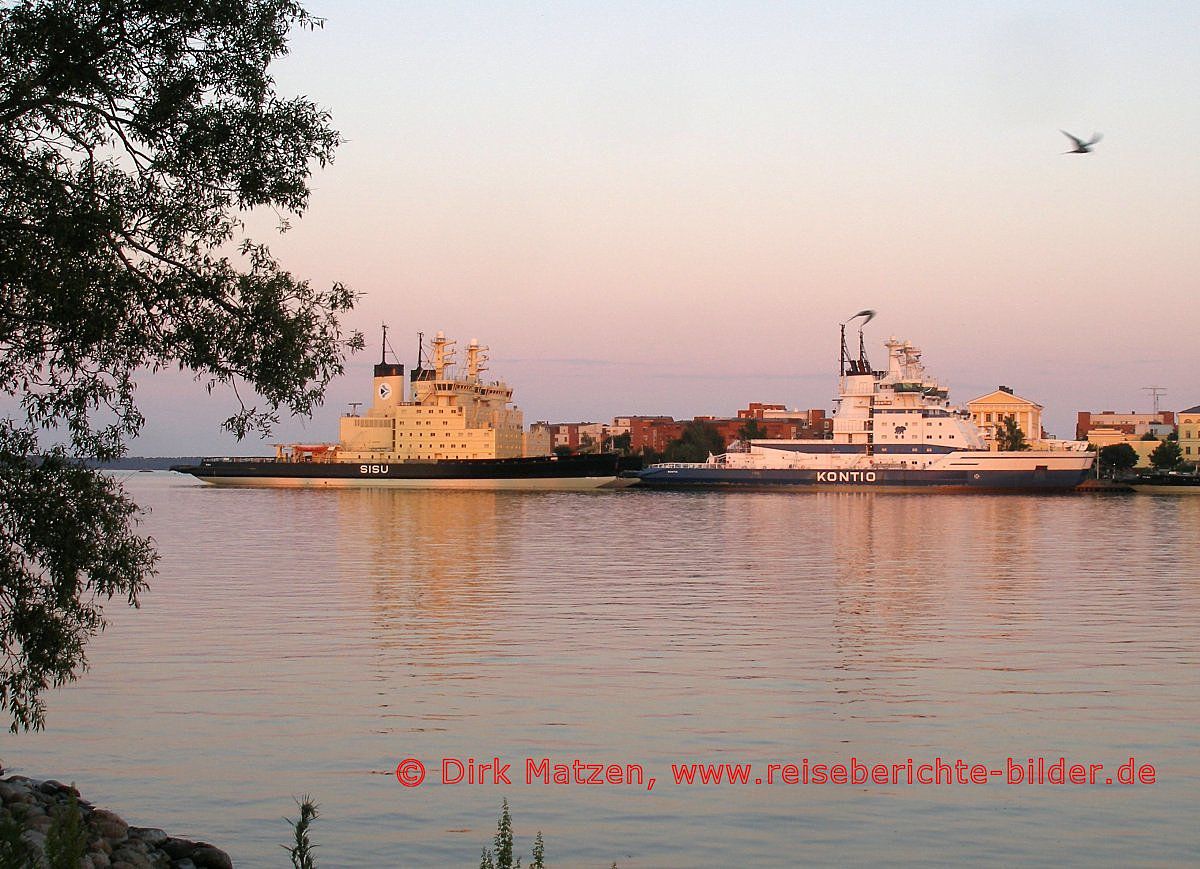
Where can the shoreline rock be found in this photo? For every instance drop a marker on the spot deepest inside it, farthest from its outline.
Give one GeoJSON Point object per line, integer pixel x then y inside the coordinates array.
{"type": "Point", "coordinates": [110, 842]}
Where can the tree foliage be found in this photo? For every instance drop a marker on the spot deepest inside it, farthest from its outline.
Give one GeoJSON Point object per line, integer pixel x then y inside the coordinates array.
{"type": "Point", "coordinates": [1009, 436]}
{"type": "Point", "coordinates": [1116, 458]}
{"type": "Point", "coordinates": [697, 442]}
{"type": "Point", "coordinates": [1166, 455]}
{"type": "Point", "coordinates": [751, 430]}
{"type": "Point", "coordinates": [134, 137]}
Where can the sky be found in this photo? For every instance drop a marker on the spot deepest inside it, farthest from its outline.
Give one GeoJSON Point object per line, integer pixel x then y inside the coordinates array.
{"type": "Point", "coordinates": [667, 208]}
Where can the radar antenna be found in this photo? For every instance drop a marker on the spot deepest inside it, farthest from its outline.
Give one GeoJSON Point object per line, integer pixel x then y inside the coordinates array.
{"type": "Point", "coordinates": [1155, 391]}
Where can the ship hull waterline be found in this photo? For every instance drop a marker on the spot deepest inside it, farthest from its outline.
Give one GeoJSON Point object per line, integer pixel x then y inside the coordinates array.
{"type": "Point", "coordinates": [1168, 489]}
{"type": "Point", "coordinates": [535, 475]}
{"type": "Point", "coordinates": [884, 480]}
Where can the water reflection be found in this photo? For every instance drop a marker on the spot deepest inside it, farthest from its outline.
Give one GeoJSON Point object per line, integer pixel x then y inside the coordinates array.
{"type": "Point", "coordinates": [431, 558]}
{"type": "Point", "coordinates": [302, 641]}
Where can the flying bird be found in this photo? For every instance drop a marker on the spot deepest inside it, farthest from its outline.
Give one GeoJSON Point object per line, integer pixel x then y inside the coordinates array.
{"type": "Point", "coordinates": [867, 314]}
{"type": "Point", "coordinates": [1081, 147]}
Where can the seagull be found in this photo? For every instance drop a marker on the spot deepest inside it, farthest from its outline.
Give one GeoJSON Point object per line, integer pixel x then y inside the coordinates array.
{"type": "Point", "coordinates": [1081, 147]}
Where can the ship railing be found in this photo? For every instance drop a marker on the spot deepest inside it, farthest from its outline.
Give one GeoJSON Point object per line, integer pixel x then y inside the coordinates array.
{"type": "Point", "coordinates": [231, 459]}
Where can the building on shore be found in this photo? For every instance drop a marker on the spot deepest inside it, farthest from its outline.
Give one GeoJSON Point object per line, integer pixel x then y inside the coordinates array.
{"type": "Point", "coordinates": [988, 412]}
{"type": "Point", "coordinates": [773, 422]}
{"type": "Point", "coordinates": [654, 433]}
{"type": "Point", "coordinates": [1136, 425]}
{"type": "Point", "coordinates": [1142, 431]}
{"type": "Point", "coordinates": [1189, 434]}
{"type": "Point", "coordinates": [574, 436]}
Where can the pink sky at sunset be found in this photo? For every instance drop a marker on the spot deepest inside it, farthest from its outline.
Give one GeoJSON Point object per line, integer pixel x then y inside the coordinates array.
{"type": "Point", "coordinates": [668, 208]}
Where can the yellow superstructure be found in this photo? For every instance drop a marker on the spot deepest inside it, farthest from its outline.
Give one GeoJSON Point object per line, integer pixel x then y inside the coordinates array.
{"type": "Point", "coordinates": [447, 413]}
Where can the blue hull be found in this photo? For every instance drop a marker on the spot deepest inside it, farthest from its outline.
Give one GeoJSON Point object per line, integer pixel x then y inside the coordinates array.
{"type": "Point", "coordinates": [885, 480]}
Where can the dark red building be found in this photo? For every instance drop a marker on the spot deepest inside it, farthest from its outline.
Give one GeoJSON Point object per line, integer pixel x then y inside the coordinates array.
{"type": "Point", "coordinates": [653, 433]}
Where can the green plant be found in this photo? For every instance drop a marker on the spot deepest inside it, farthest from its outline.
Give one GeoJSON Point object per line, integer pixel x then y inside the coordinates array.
{"type": "Point", "coordinates": [500, 855]}
{"type": "Point", "coordinates": [1009, 436]}
{"type": "Point", "coordinates": [539, 853]}
{"type": "Point", "coordinates": [1166, 455]}
{"type": "Point", "coordinates": [301, 851]}
{"type": "Point", "coordinates": [66, 840]}
{"type": "Point", "coordinates": [751, 430]}
{"type": "Point", "coordinates": [1115, 458]}
{"type": "Point", "coordinates": [503, 842]}
{"type": "Point", "coordinates": [698, 441]}
{"type": "Point", "coordinates": [15, 852]}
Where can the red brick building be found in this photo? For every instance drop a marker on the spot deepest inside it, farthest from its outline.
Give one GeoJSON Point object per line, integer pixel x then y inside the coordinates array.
{"type": "Point", "coordinates": [653, 433]}
{"type": "Point", "coordinates": [1130, 423]}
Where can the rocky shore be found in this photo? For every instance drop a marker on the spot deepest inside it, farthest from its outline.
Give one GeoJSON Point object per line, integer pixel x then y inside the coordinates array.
{"type": "Point", "coordinates": [30, 809]}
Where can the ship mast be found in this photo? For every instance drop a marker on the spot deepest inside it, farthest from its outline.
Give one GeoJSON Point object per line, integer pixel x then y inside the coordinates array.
{"type": "Point", "coordinates": [861, 365]}
{"type": "Point", "coordinates": [857, 368]}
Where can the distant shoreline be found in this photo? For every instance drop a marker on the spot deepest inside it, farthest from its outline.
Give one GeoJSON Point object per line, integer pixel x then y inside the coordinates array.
{"type": "Point", "coordinates": [144, 463]}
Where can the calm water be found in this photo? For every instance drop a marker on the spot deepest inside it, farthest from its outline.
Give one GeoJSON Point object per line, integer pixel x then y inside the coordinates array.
{"type": "Point", "coordinates": [304, 642]}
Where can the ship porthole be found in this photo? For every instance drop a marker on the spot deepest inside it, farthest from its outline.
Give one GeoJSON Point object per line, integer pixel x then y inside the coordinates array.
{"type": "Point", "coordinates": [976, 476]}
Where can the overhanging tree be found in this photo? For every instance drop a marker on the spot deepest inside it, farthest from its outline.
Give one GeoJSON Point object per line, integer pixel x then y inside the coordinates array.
{"type": "Point", "coordinates": [134, 135]}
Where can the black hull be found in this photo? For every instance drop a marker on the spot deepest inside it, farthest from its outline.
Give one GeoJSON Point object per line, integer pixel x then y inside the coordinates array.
{"type": "Point", "coordinates": [1183, 484]}
{"type": "Point", "coordinates": [587, 471]}
{"type": "Point", "coordinates": [863, 481]}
